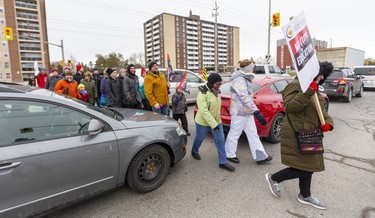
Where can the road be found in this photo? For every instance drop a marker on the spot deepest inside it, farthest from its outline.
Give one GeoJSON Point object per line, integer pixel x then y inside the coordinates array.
{"type": "Point", "coordinates": [201, 189]}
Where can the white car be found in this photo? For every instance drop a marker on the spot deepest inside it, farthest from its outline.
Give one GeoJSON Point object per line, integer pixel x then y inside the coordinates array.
{"type": "Point", "coordinates": [367, 73]}
{"type": "Point", "coordinates": [261, 70]}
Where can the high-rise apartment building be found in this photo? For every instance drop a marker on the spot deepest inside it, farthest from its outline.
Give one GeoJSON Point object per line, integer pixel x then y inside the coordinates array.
{"type": "Point", "coordinates": [27, 18]}
{"type": "Point", "coordinates": [190, 42]}
{"type": "Point", "coordinates": [284, 59]}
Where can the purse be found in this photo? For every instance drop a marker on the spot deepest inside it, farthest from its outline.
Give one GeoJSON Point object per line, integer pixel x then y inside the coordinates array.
{"type": "Point", "coordinates": [309, 141]}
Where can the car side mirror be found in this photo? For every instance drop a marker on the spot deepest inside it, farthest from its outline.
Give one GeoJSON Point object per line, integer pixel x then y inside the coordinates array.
{"type": "Point", "coordinates": [95, 127]}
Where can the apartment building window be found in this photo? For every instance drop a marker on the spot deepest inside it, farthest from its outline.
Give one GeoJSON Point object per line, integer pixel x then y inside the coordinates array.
{"type": "Point", "coordinates": [5, 54]}
{"type": "Point", "coordinates": [6, 64]}
{"type": "Point", "coordinates": [1, 10]}
{"type": "Point", "coordinates": [1, 76]}
{"type": "Point", "coordinates": [2, 21]}
{"type": "Point", "coordinates": [8, 76]}
{"type": "Point", "coordinates": [4, 43]}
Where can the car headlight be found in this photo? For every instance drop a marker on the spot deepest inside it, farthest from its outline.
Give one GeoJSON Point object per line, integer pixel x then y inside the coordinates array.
{"type": "Point", "coordinates": [180, 131]}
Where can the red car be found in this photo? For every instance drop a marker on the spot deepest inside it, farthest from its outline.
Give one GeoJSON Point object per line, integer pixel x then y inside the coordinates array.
{"type": "Point", "coordinates": [268, 98]}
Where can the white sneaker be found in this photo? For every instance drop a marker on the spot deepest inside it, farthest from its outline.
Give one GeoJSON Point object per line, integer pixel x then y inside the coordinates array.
{"type": "Point", "coordinates": [312, 201]}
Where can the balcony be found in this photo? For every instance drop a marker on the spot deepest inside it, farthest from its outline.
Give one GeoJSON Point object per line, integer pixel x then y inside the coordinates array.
{"type": "Point", "coordinates": [27, 15]}
{"type": "Point", "coordinates": [23, 4]}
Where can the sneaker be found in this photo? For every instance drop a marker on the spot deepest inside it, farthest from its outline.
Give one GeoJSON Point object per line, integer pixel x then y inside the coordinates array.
{"type": "Point", "coordinates": [312, 201]}
{"type": "Point", "coordinates": [227, 166]}
{"type": "Point", "coordinates": [274, 186]}
{"type": "Point", "coordinates": [269, 158]}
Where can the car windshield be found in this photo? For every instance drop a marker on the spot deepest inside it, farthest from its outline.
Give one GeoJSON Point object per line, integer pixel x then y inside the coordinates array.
{"type": "Point", "coordinates": [365, 71]}
{"type": "Point", "coordinates": [225, 88]}
{"type": "Point", "coordinates": [336, 74]}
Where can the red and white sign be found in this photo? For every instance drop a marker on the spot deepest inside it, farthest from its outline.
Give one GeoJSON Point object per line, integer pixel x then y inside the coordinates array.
{"type": "Point", "coordinates": [302, 50]}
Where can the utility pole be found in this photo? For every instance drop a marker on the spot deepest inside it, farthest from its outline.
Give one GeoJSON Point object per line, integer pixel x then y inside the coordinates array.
{"type": "Point", "coordinates": [268, 56]}
{"type": "Point", "coordinates": [62, 52]}
{"type": "Point", "coordinates": [215, 13]}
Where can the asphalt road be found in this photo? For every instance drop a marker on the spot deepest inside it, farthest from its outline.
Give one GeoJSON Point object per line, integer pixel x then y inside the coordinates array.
{"type": "Point", "coordinates": [201, 189]}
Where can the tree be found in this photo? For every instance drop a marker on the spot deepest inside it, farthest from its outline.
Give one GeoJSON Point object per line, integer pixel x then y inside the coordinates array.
{"type": "Point", "coordinates": [113, 59]}
{"type": "Point", "coordinates": [137, 59]}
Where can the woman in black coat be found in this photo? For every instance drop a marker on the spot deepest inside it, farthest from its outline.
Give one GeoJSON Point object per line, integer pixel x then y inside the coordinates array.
{"type": "Point", "coordinates": [130, 90]}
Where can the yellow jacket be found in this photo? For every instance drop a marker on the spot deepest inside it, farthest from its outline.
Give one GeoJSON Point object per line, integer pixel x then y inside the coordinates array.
{"type": "Point", "coordinates": [156, 89]}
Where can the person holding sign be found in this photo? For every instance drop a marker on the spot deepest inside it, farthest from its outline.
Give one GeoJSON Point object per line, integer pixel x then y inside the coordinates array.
{"type": "Point", "coordinates": [243, 111]}
{"type": "Point", "coordinates": [302, 113]}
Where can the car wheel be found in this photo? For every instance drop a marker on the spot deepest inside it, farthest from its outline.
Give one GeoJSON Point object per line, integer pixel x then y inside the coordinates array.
{"type": "Point", "coordinates": [275, 129]}
{"type": "Point", "coordinates": [148, 169]}
{"type": "Point", "coordinates": [360, 94]}
{"type": "Point", "coordinates": [350, 95]}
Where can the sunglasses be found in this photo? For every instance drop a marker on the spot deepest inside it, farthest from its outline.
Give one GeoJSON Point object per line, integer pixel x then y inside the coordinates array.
{"type": "Point", "coordinates": [87, 75]}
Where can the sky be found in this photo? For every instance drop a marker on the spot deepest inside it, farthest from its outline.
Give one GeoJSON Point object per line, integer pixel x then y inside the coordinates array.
{"type": "Point", "coordinates": [90, 27]}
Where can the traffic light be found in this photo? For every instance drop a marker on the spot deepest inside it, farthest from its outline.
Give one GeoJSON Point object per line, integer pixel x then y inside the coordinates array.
{"type": "Point", "coordinates": [61, 63]}
{"type": "Point", "coordinates": [70, 63]}
{"type": "Point", "coordinates": [8, 33]}
{"type": "Point", "coordinates": [276, 20]}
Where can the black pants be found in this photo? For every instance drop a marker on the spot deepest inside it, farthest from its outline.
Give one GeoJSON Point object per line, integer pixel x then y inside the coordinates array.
{"type": "Point", "coordinates": [146, 105]}
{"type": "Point", "coordinates": [292, 173]}
{"type": "Point", "coordinates": [183, 119]}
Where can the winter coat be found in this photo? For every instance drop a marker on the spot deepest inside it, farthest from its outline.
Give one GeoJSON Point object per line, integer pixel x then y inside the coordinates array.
{"type": "Point", "coordinates": [84, 96]}
{"type": "Point", "coordinates": [78, 77]}
{"type": "Point", "coordinates": [209, 107]}
{"type": "Point", "coordinates": [156, 88]}
{"type": "Point", "coordinates": [242, 95]}
{"type": "Point", "coordinates": [130, 86]}
{"type": "Point", "coordinates": [97, 79]}
{"type": "Point", "coordinates": [62, 84]}
{"type": "Point", "coordinates": [178, 103]}
{"type": "Point", "coordinates": [52, 81]}
{"type": "Point", "coordinates": [90, 87]}
{"type": "Point", "coordinates": [102, 86]}
{"type": "Point", "coordinates": [142, 87]}
{"type": "Point", "coordinates": [113, 90]}
{"type": "Point", "coordinates": [300, 108]}
{"type": "Point", "coordinates": [41, 80]}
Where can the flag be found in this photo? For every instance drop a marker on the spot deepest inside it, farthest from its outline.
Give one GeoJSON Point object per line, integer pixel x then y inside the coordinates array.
{"type": "Point", "coordinates": [183, 83]}
{"type": "Point", "coordinates": [170, 72]}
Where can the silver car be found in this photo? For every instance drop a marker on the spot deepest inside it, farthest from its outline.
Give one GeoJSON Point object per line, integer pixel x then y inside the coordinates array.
{"type": "Point", "coordinates": [55, 150]}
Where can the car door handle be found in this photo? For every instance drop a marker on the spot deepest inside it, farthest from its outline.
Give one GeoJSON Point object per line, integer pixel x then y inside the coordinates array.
{"type": "Point", "coordinates": [7, 166]}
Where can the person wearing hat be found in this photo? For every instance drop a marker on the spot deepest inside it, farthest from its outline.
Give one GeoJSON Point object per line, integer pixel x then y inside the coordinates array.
{"type": "Point", "coordinates": [243, 111]}
{"type": "Point", "coordinates": [84, 94]}
{"type": "Point", "coordinates": [51, 81]}
{"type": "Point", "coordinates": [156, 89]}
{"type": "Point", "coordinates": [130, 89]}
{"type": "Point", "coordinates": [301, 111]}
{"type": "Point", "coordinates": [65, 69]}
{"type": "Point", "coordinates": [41, 78]}
{"type": "Point", "coordinates": [113, 89]}
{"type": "Point", "coordinates": [90, 87]}
{"type": "Point", "coordinates": [97, 79]}
{"type": "Point", "coordinates": [79, 75]}
{"type": "Point", "coordinates": [67, 86]}
{"type": "Point", "coordinates": [208, 119]}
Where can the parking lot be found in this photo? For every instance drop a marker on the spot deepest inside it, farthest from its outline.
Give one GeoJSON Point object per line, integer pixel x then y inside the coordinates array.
{"type": "Point", "coordinates": [201, 189]}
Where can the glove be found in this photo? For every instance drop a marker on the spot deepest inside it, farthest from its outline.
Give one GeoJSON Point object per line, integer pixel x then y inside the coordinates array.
{"type": "Point", "coordinates": [326, 127]}
{"type": "Point", "coordinates": [314, 86]}
{"type": "Point", "coordinates": [260, 117]}
{"type": "Point", "coordinates": [216, 128]}
{"type": "Point", "coordinates": [65, 91]}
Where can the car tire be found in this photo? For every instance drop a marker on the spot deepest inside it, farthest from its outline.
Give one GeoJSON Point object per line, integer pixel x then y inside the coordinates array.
{"type": "Point", "coordinates": [274, 135]}
{"type": "Point", "coordinates": [148, 169]}
{"type": "Point", "coordinates": [350, 95]}
{"type": "Point", "coordinates": [360, 93]}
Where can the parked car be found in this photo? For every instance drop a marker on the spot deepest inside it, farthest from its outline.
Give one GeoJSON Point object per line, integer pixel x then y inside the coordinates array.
{"type": "Point", "coordinates": [268, 98]}
{"type": "Point", "coordinates": [55, 150]}
{"type": "Point", "coordinates": [368, 75]}
{"type": "Point", "coordinates": [193, 82]}
{"type": "Point", "coordinates": [343, 83]}
{"type": "Point", "coordinates": [262, 70]}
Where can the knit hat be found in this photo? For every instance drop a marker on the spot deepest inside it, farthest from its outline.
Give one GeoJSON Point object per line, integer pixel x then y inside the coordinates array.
{"type": "Point", "coordinates": [54, 70]}
{"type": "Point", "coordinates": [325, 69]}
{"type": "Point", "coordinates": [213, 78]}
{"type": "Point", "coordinates": [41, 68]}
{"type": "Point", "coordinates": [150, 64]}
{"type": "Point", "coordinates": [81, 86]}
{"type": "Point", "coordinates": [66, 68]}
{"type": "Point", "coordinates": [143, 70]}
{"type": "Point", "coordinates": [78, 67]}
{"type": "Point", "coordinates": [110, 71]}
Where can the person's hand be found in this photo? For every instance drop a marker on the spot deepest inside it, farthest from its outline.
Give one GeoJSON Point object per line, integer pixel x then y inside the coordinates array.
{"type": "Point", "coordinates": [260, 117]}
{"type": "Point", "coordinates": [65, 91]}
{"type": "Point", "coordinates": [326, 127]}
{"type": "Point", "coordinates": [157, 106]}
{"type": "Point", "coordinates": [216, 128]}
{"type": "Point", "coordinates": [314, 86]}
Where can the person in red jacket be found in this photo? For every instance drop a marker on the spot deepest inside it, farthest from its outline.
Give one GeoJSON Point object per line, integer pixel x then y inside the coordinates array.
{"type": "Point", "coordinates": [67, 86]}
{"type": "Point", "coordinates": [40, 79]}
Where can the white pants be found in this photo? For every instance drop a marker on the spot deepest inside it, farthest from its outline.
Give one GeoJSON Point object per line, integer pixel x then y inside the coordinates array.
{"type": "Point", "coordinates": [247, 124]}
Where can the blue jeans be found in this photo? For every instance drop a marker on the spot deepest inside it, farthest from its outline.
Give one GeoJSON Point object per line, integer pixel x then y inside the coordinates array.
{"type": "Point", "coordinates": [200, 134]}
{"type": "Point", "coordinates": [162, 110]}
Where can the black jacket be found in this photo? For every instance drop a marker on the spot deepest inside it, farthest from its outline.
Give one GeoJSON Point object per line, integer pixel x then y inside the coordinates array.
{"type": "Point", "coordinates": [97, 79]}
{"type": "Point", "coordinates": [130, 90]}
{"type": "Point", "coordinates": [113, 91]}
{"type": "Point", "coordinates": [78, 77]}
{"type": "Point", "coordinates": [51, 82]}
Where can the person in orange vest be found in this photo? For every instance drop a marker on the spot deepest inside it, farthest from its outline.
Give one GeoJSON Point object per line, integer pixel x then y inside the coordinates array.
{"type": "Point", "coordinates": [67, 86]}
{"type": "Point", "coordinates": [40, 79]}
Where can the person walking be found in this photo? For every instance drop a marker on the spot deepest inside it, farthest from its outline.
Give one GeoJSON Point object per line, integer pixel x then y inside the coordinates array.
{"type": "Point", "coordinates": [113, 89]}
{"type": "Point", "coordinates": [52, 80]}
{"type": "Point", "coordinates": [97, 79]}
{"type": "Point", "coordinates": [208, 119]}
{"type": "Point", "coordinates": [130, 89]}
{"type": "Point", "coordinates": [90, 87]}
{"type": "Point", "coordinates": [156, 89]}
{"type": "Point", "coordinates": [68, 86]}
{"type": "Point", "coordinates": [145, 103]}
{"type": "Point", "coordinates": [243, 110]}
{"type": "Point", "coordinates": [79, 75]}
{"type": "Point", "coordinates": [301, 112]}
{"type": "Point", "coordinates": [179, 108]}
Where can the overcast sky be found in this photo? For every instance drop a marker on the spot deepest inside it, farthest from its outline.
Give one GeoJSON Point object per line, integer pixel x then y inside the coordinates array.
{"type": "Point", "coordinates": [89, 27]}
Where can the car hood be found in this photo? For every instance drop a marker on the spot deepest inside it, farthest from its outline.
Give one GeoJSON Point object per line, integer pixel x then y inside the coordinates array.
{"type": "Point", "coordinates": [140, 118]}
